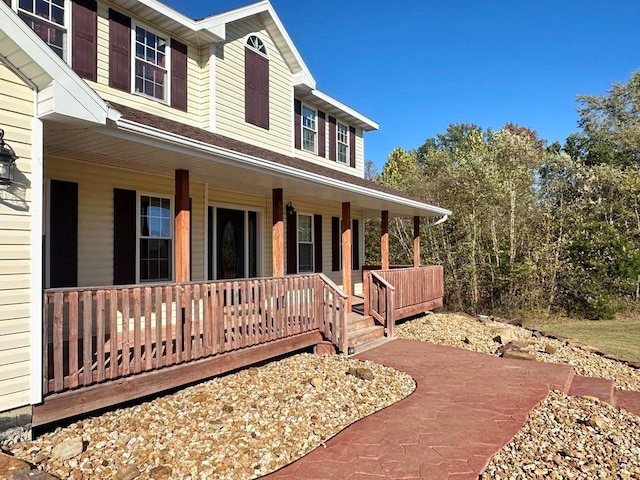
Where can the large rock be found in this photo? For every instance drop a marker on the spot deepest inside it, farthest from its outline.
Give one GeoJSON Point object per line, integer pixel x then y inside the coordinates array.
{"type": "Point", "coordinates": [9, 465]}
{"type": "Point", "coordinates": [32, 475]}
{"type": "Point", "coordinates": [161, 472]}
{"type": "Point", "coordinates": [67, 449]}
{"type": "Point", "coordinates": [504, 336]}
{"type": "Point", "coordinates": [518, 355]}
{"type": "Point", "coordinates": [127, 472]}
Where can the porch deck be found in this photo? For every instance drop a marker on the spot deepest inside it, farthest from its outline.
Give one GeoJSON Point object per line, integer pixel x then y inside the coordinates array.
{"type": "Point", "coordinates": [104, 346]}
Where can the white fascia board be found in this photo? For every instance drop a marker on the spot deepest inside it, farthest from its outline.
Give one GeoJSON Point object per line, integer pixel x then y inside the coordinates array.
{"type": "Point", "coordinates": [348, 110]}
{"type": "Point", "coordinates": [75, 96]}
{"type": "Point", "coordinates": [231, 157]}
{"type": "Point", "coordinates": [264, 7]}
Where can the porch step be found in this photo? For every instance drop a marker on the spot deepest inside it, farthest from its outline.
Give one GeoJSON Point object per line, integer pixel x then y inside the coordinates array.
{"type": "Point", "coordinates": [365, 335]}
{"type": "Point", "coordinates": [355, 321]}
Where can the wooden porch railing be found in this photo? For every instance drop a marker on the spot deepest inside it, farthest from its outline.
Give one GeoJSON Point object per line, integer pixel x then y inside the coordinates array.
{"type": "Point", "coordinates": [94, 335]}
{"type": "Point", "coordinates": [416, 289]}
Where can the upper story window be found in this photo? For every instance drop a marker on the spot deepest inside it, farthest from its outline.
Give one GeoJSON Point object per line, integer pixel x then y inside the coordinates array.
{"type": "Point", "coordinates": [309, 129]}
{"type": "Point", "coordinates": [256, 82]}
{"type": "Point", "coordinates": [342, 139]}
{"type": "Point", "coordinates": [47, 19]}
{"type": "Point", "coordinates": [151, 64]}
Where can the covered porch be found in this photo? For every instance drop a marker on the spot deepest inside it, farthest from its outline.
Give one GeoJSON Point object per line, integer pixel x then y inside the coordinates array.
{"type": "Point", "coordinates": [161, 320]}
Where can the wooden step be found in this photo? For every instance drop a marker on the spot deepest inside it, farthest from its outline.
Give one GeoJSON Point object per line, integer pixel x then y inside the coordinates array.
{"type": "Point", "coordinates": [365, 335]}
{"type": "Point", "coordinates": [355, 300]}
{"type": "Point", "coordinates": [356, 321]}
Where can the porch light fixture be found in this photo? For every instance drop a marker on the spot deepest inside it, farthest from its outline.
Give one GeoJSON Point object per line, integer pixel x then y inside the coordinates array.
{"type": "Point", "coordinates": [289, 208]}
{"type": "Point", "coordinates": [7, 161]}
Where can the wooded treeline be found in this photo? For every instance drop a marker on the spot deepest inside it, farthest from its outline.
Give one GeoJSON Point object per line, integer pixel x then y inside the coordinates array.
{"type": "Point", "coordinates": [534, 226]}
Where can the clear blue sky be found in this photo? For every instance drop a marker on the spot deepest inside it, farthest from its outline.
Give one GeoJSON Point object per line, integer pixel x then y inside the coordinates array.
{"type": "Point", "coordinates": [417, 66]}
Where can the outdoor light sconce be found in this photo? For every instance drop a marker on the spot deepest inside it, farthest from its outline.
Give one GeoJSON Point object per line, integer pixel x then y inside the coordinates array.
{"type": "Point", "coordinates": [289, 208]}
{"type": "Point", "coordinates": [7, 161]}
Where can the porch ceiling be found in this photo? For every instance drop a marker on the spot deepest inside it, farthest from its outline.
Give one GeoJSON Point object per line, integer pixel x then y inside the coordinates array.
{"type": "Point", "coordinates": [139, 147]}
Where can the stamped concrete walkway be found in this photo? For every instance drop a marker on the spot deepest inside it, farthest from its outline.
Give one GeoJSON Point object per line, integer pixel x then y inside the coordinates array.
{"type": "Point", "coordinates": [466, 406]}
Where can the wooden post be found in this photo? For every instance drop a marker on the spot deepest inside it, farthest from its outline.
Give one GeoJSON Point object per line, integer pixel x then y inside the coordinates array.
{"type": "Point", "coordinates": [384, 240]}
{"type": "Point", "coordinates": [277, 233]}
{"type": "Point", "coordinates": [416, 241]}
{"type": "Point", "coordinates": [346, 254]}
{"type": "Point", "coordinates": [182, 226]}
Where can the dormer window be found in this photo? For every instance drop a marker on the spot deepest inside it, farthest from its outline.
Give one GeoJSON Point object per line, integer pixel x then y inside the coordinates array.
{"type": "Point", "coordinates": [151, 61]}
{"type": "Point", "coordinates": [256, 82]}
{"type": "Point", "coordinates": [47, 19]}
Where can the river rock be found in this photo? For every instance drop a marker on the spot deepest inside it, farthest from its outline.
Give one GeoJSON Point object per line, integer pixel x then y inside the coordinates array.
{"type": "Point", "coordinates": [67, 449]}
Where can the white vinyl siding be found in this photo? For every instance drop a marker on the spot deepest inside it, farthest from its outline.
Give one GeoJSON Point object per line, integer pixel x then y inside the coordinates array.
{"type": "Point", "coordinates": [16, 118]}
{"type": "Point", "coordinates": [230, 90]}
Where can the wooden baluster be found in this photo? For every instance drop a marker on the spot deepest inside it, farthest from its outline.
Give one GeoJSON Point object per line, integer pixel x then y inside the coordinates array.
{"type": "Point", "coordinates": [126, 343]}
{"type": "Point", "coordinates": [100, 334]}
{"type": "Point", "coordinates": [137, 333]}
{"type": "Point", "coordinates": [170, 323]}
{"type": "Point", "coordinates": [87, 337]}
{"type": "Point", "coordinates": [45, 344]}
{"type": "Point", "coordinates": [178, 323]}
{"type": "Point", "coordinates": [72, 298]}
{"type": "Point", "coordinates": [196, 320]}
{"type": "Point", "coordinates": [159, 326]}
{"type": "Point", "coordinates": [58, 359]}
{"type": "Point", "coordinates": [206, 319]}
{"type": "Point", "coordinates": [113, 334]}
{"type": "Point", "coordinates": [187, 308]}
{"type": "Point", "coordinates": [148, 330]}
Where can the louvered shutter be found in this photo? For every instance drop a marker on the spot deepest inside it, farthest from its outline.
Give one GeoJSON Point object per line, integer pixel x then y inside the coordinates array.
{"type": "Point", "coordinates": [119, 51]}
{"type": "Point", "coordinates": [297, 123]}
{"type": "Point", "coordinates": [317, 242]}
{"type": "Point", "coordinates": [292, 243]}
{"type": "Point", "coordinates": [322, 141]}
{"type": "Point", "coordinates": [332, 138]}
{"type": "Point", "coordinates": [84, 29]}
{"type": "Point", "coordinates": [352, 147]}
{"type": "Point", "coordinates": [178, 75]}
{"type": "Point", "coordinates": [355, 244]}
{"type": "Point", "coordinates": [124, 236]}
{"type": "Point", "coordinates": [335, 244]}
{"type": "Point", "coordinates": [63, 234]}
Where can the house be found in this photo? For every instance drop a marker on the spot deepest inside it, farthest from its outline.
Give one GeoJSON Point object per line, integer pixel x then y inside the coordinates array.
{"type": "Point", "coordinates": [185, 201]}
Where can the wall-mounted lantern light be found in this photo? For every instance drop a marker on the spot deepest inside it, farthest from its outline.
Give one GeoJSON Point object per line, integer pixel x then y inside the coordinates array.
{"type": "Point", "coordinates": [289, 208]}
{"type": "Point", "coordinates": [7, 161]}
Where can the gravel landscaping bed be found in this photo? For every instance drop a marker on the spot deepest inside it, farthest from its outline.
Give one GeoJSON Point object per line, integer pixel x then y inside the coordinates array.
{"type": "Point", "coordinates": [466, 332]}
{"type": "Point", "coordinates": [239, 426]}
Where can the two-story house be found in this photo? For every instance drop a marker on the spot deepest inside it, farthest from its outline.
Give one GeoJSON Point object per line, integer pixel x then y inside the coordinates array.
{"type": "Point", "coordinates": [184, 201]}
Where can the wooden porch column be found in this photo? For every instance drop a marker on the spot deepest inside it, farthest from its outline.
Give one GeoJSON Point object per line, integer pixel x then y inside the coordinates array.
{"type": "Point", "coordinates": [346, 253]}
{"type": "Point", "coordinates": [416, 241]}
{"type": "Point", "coordinates": [384, 240]}
{"type": "Point", "coordinates": [277, 233]}
{"type": "Point", "coordinates": [182, 226]}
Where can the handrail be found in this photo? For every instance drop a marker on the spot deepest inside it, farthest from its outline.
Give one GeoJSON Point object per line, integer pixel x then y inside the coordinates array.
{"type": "Point", "coordinates": [379, 302]}
{"type": "Point", "coordinates": [384, 282]}
{"type": "Point", "coordinates": [334, 317]}
{"type": "Point", "coordinates": [333, 285]}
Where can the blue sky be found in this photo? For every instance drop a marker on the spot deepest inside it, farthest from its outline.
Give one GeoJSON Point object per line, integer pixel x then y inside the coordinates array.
{"type": "Point", "coordinates": [417, 66]}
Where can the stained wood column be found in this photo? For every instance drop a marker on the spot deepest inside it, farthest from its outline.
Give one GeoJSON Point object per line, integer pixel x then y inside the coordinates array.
{"type": "Point", "coordinates": [346, 253]}
{"type": "Point", "coordinates": [416, 241]}
{"type": "Point", "coordinates": [277, 232]}
{"type": "Point", "coordinates": [182, 226]}
{"type": "Point", "coordinates": [384, 240]}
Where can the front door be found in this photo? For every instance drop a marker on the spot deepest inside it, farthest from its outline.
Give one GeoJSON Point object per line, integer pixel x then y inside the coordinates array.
{"type": "Point", "coordinates": [230, 243]}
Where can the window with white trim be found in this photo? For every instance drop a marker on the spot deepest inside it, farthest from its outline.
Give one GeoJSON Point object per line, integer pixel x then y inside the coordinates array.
{"type": "Point", "coordinates": [150, 63]}
{"type": "Point", "coordinates": [256, 44]}
{"type": "Point", "coordinates": [342, 139]}
{"type": "Point", "coordinates": [305, 243]}
{"type": "Point", "coordinates": [155, 239]}
{"type": "Point", "coordinates": [309, 129]}
{"type": "Point", "coordinates": [47, 19]}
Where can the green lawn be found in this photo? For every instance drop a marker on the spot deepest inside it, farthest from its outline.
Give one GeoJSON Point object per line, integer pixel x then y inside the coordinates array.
{"type": "Point", "coordinates": [619, 337]}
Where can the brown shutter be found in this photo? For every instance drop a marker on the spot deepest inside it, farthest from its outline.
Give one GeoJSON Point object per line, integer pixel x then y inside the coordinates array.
{"type": "Point", "coordinates": [322, 143]}
{"type": "Point", "coordinates": [335, 244]}
{"type": "Point", "coordinates": [332, 138]}
{"type": "Point", "coordinates": [8, 2]}
{"type": "Point", "coordinates": [292, 243]}
{"type": "Point", "coordinates": [256, 89]}
{"type": "Point", "coordinates": [297, 123]}
{"type": "Point", "coordinates": [63, 234]}
{"type": "Point", "coordinates": [317, 243]}
{"type": "Point", "coordinates": [119, 51]}
{"type": "Point", "coordinates": [84, 32]}
{"type": "Point", "coordinates": [355, 244]}
{"type": "Point", "coordinates": [262, 113]}
{"type": "Point", "coordinates": [124, 236]}
{"type": "Point", "coordinates": [178, 75]}
{"type": "Point", "coordinates": [352, 147]}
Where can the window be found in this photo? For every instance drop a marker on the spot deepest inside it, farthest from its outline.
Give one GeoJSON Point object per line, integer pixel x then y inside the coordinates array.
{"type": "Point", "coordinates": [309, 131]}
{"type": "Point", "coordinates": [256, 79]}
{"type": "Point", "coordinates": [305, 243]}
{"type": "Point", "coordinates": [155, 239]}
{"type": "Point", "coordinates": [150, 77]}
{"type": "Point", "coordinates": [47, 19]}
{"type": "Point", "coordinates": [343, 142]}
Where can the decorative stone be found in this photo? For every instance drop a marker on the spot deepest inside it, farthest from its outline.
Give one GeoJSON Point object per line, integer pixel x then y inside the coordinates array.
{"type": "Point", "coordinates": [32, 475]}
{"type": "Point", "coordinates": [550, 349]}
{"type": "Point", "coordinates": [365, 374]}
{"type": "Point", "coordinates": [127, 472]}
{"type": "Point", "coordinates": [161, 472]}
{"type": "Point", "coordinates": [9, 464]}
{"type": "Point", "coordinates": [68, 448]}
{"type": "Point", "coordinates": [518, 355]}
{"type": "Point", "coordinates": [504, 336]}
{"type": "Point", "coordinates": [316, 382]}
{"type": "Point", "coordinates": [596, 421]}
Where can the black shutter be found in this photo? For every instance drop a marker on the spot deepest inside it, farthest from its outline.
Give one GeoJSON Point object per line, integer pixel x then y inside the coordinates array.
{"type": "Point", "coordinates": [355, 244]}
{"type": "Point", "coordinates": [322, 142]}
{"type": "Point", "coordinates": [178, 75]}
{"type": "Point", "coordinates": [119, 51]}
{"type": "Point", "coordinates": [84, 32]}
{"type": "Point", "coordinates": [352, 147]}
{"type": "Point", "coordinates": [292, 243]}
{"type": "Point", "coordinates": [317, 243]}
{"type": "Point", "coordinates": [63, 230]}
{"type": "Point", "coordinates": [332, 138]}
{"type": "Point", "coordinates": [335, 244]}
{"type": "Point", "coordinates": [210, 245]}
{"type": "Point", "coordinates": [124, 236]}
{"type": "Point", "coordinates": [297, 123]}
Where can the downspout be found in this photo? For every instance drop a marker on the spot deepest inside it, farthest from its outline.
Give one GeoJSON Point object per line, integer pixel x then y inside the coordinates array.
{"type": "Point", "coordinates": [438, 222]}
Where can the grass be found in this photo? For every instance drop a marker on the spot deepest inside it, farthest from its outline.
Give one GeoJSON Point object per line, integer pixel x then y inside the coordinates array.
{"type": "Point", "coordinates": [619, 336]}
